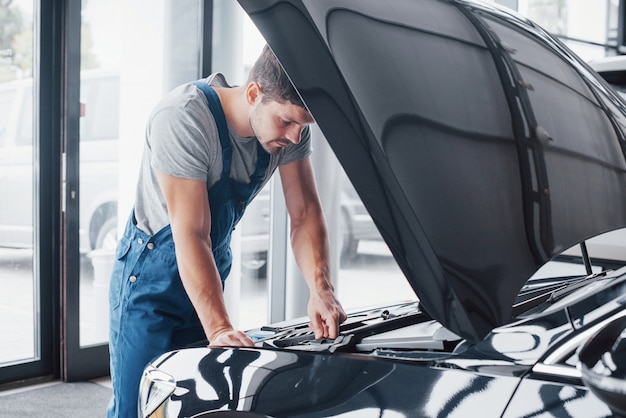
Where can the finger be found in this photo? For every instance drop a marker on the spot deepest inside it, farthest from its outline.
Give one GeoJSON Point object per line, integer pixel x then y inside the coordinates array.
{"type": "Point", "coordinates": [237, 340]}
{"type": "Point", "coordinates": [323, 327]}
{"type": "Point", "coordinates": [243, 339]}
{"type": "Point", "coordinates": [317, 331]}
{"type": "Point", "coordinates": [316, 327]}
{"type": "Point", "coordinates": [232, 339]}
{"type": "Point", "coordinates": [247, 341]}
{"type": "Point", "coordinates": [331, 326]}
{"type": "Point", "coordinates": [342, 316]}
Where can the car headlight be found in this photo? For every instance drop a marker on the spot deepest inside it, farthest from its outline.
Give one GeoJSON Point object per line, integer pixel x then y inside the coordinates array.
{"type": "Point", "coordinates": [156, 387]}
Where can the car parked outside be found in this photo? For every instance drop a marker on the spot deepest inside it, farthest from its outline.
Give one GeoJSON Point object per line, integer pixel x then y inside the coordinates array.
{"type": "Point", "coordinates": [99, 134]}
{"type": "Point", "coordinates": [483, 148]}
{"type": "Point", "coordinates": [356, 226]}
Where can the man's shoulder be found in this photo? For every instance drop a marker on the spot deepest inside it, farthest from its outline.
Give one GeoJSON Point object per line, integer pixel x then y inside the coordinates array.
{"type": "Point", "coordinates": [180, 97]}
{"type": "Point", "coordinates": [185, 105]}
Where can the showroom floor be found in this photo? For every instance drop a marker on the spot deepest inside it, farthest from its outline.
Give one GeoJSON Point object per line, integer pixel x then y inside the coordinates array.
{"type": "Point", "coordinates": [57, 399]}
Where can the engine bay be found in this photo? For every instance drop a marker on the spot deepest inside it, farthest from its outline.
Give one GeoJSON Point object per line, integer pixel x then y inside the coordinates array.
{"type": "Point", "coordinates": [399, 327]}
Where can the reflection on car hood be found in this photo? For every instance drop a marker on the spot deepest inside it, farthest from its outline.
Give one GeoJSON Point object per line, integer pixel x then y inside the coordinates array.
{"type": "Point", "coordinates": [479, 144]}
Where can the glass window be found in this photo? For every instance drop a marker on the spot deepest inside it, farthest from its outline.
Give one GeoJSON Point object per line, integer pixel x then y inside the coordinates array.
{"type": "Point", "coordinates": [100, 98]}
{"type": "Point", "coordinates": [18, 288]}
{"type": "Point", "coordinates": [132, 53]}
{"type": "Point", "coordinates": [563, 17]}
{"type": "Point", "coordinates": [24, 133]}
{"type": "Point", "coordinates": [7, 98]}
{"type": "Point", "coordinates": [368, 273]}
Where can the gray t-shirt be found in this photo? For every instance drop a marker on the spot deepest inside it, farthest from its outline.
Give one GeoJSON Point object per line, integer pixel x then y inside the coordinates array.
{"type": "Point", "coordinates": [182, 141]}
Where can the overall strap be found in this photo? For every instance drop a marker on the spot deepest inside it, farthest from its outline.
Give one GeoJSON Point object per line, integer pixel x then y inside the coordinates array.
{"type": "Point", "coordinates": [262, 162]}
{"type": "Point", "coordinates": [222, 128]}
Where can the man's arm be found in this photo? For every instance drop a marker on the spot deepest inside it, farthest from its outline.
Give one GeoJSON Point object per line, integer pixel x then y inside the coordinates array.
{"type": "Point", "coordinates": [190, 220]}
{"type": "Point", "coordinates": [309, 241]}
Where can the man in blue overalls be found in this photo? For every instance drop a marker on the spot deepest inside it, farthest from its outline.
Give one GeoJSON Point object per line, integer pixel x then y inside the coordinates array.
{"type": "Point", "coordinates": [209, 149]}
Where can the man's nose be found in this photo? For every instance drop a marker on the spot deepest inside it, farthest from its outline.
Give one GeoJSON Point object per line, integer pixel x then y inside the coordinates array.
{"type": "Point", "coordinates": [293, 134]}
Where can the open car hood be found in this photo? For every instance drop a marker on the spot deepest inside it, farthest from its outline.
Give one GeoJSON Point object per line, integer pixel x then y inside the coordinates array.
{"type": "Point", "coordinates": [481, 146]}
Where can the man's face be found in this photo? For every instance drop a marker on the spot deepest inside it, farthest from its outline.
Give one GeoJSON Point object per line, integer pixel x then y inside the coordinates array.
{"type": "Point", "coordinates": [277, 125]}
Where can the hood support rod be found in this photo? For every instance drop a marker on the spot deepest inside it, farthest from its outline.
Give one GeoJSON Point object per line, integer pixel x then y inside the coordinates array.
{"type": "Point", "coordinates": [586, 259]}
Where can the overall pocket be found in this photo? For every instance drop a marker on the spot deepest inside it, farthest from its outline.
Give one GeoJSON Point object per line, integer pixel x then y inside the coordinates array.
{"type": "Point", "coordinates": [117, 275]}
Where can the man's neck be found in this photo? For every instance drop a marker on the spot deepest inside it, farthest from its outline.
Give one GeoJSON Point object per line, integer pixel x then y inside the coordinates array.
{"type": "Point", "coordinates": [236, 109]}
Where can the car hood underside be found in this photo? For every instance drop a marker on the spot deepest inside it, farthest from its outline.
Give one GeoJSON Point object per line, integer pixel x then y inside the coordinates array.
{"type": "Point", "coordinates": [480, 145]}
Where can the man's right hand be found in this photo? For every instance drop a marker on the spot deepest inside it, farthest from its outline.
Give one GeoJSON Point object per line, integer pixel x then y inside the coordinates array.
{"type": "Point", "coordinates": [232, 338]}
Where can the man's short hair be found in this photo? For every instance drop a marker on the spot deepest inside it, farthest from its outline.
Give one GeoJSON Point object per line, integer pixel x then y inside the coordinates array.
{"type": "Point", "coordinates": [275, 84]}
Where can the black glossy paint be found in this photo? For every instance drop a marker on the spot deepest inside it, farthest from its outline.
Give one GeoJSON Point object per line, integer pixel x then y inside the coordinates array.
{"type": "Point", "coordinates": [496, 376]}
{"type": "Point", "coordinates": [603, 365]}
{"type": "Point", "coordinates": [284, 384]}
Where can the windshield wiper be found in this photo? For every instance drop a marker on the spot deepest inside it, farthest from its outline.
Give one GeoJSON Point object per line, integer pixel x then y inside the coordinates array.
{"type": "Point", "coordinates": [552, 292]}
{"type": "Point", "coordinates": [574, 285]}
{"type": "Point", "coordinates": [531, 297]}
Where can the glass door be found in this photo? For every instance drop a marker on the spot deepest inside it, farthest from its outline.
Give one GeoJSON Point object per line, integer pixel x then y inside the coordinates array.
{"type": "Point", "coordinates": [18, 318]}
{"type": "Point", "coordinates": [26, 269]}
{"type": "Point", "coordinates": [131, 54]}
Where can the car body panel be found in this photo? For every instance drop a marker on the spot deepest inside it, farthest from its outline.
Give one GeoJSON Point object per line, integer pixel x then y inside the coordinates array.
{"type": "Point", "coordinates": [538, 398]}
{"type": "Point", "coordinates": [505, 132]}
{"type": "Point", "coordinates": [259, 380]}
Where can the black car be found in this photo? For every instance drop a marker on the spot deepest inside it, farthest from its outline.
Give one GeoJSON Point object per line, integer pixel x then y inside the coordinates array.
{"type": "Point", "coordinates": [483, 148]}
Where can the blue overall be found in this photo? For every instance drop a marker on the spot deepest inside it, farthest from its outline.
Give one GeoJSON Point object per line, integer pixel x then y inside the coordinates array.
{"type": "Point", "coordinates": [150, 312]}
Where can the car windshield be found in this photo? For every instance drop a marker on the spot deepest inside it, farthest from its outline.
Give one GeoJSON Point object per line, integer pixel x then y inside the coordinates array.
{"type": "Point", "coordinates": [573, 269]}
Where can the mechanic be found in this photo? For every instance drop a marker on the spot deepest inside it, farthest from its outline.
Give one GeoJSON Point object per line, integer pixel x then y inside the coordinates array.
{"type": "Point", "coordinates": [209, 149]}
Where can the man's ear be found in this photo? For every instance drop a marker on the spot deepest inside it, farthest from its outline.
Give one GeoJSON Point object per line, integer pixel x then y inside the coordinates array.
{"type": "Point", "coordinates": [253, 92]}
